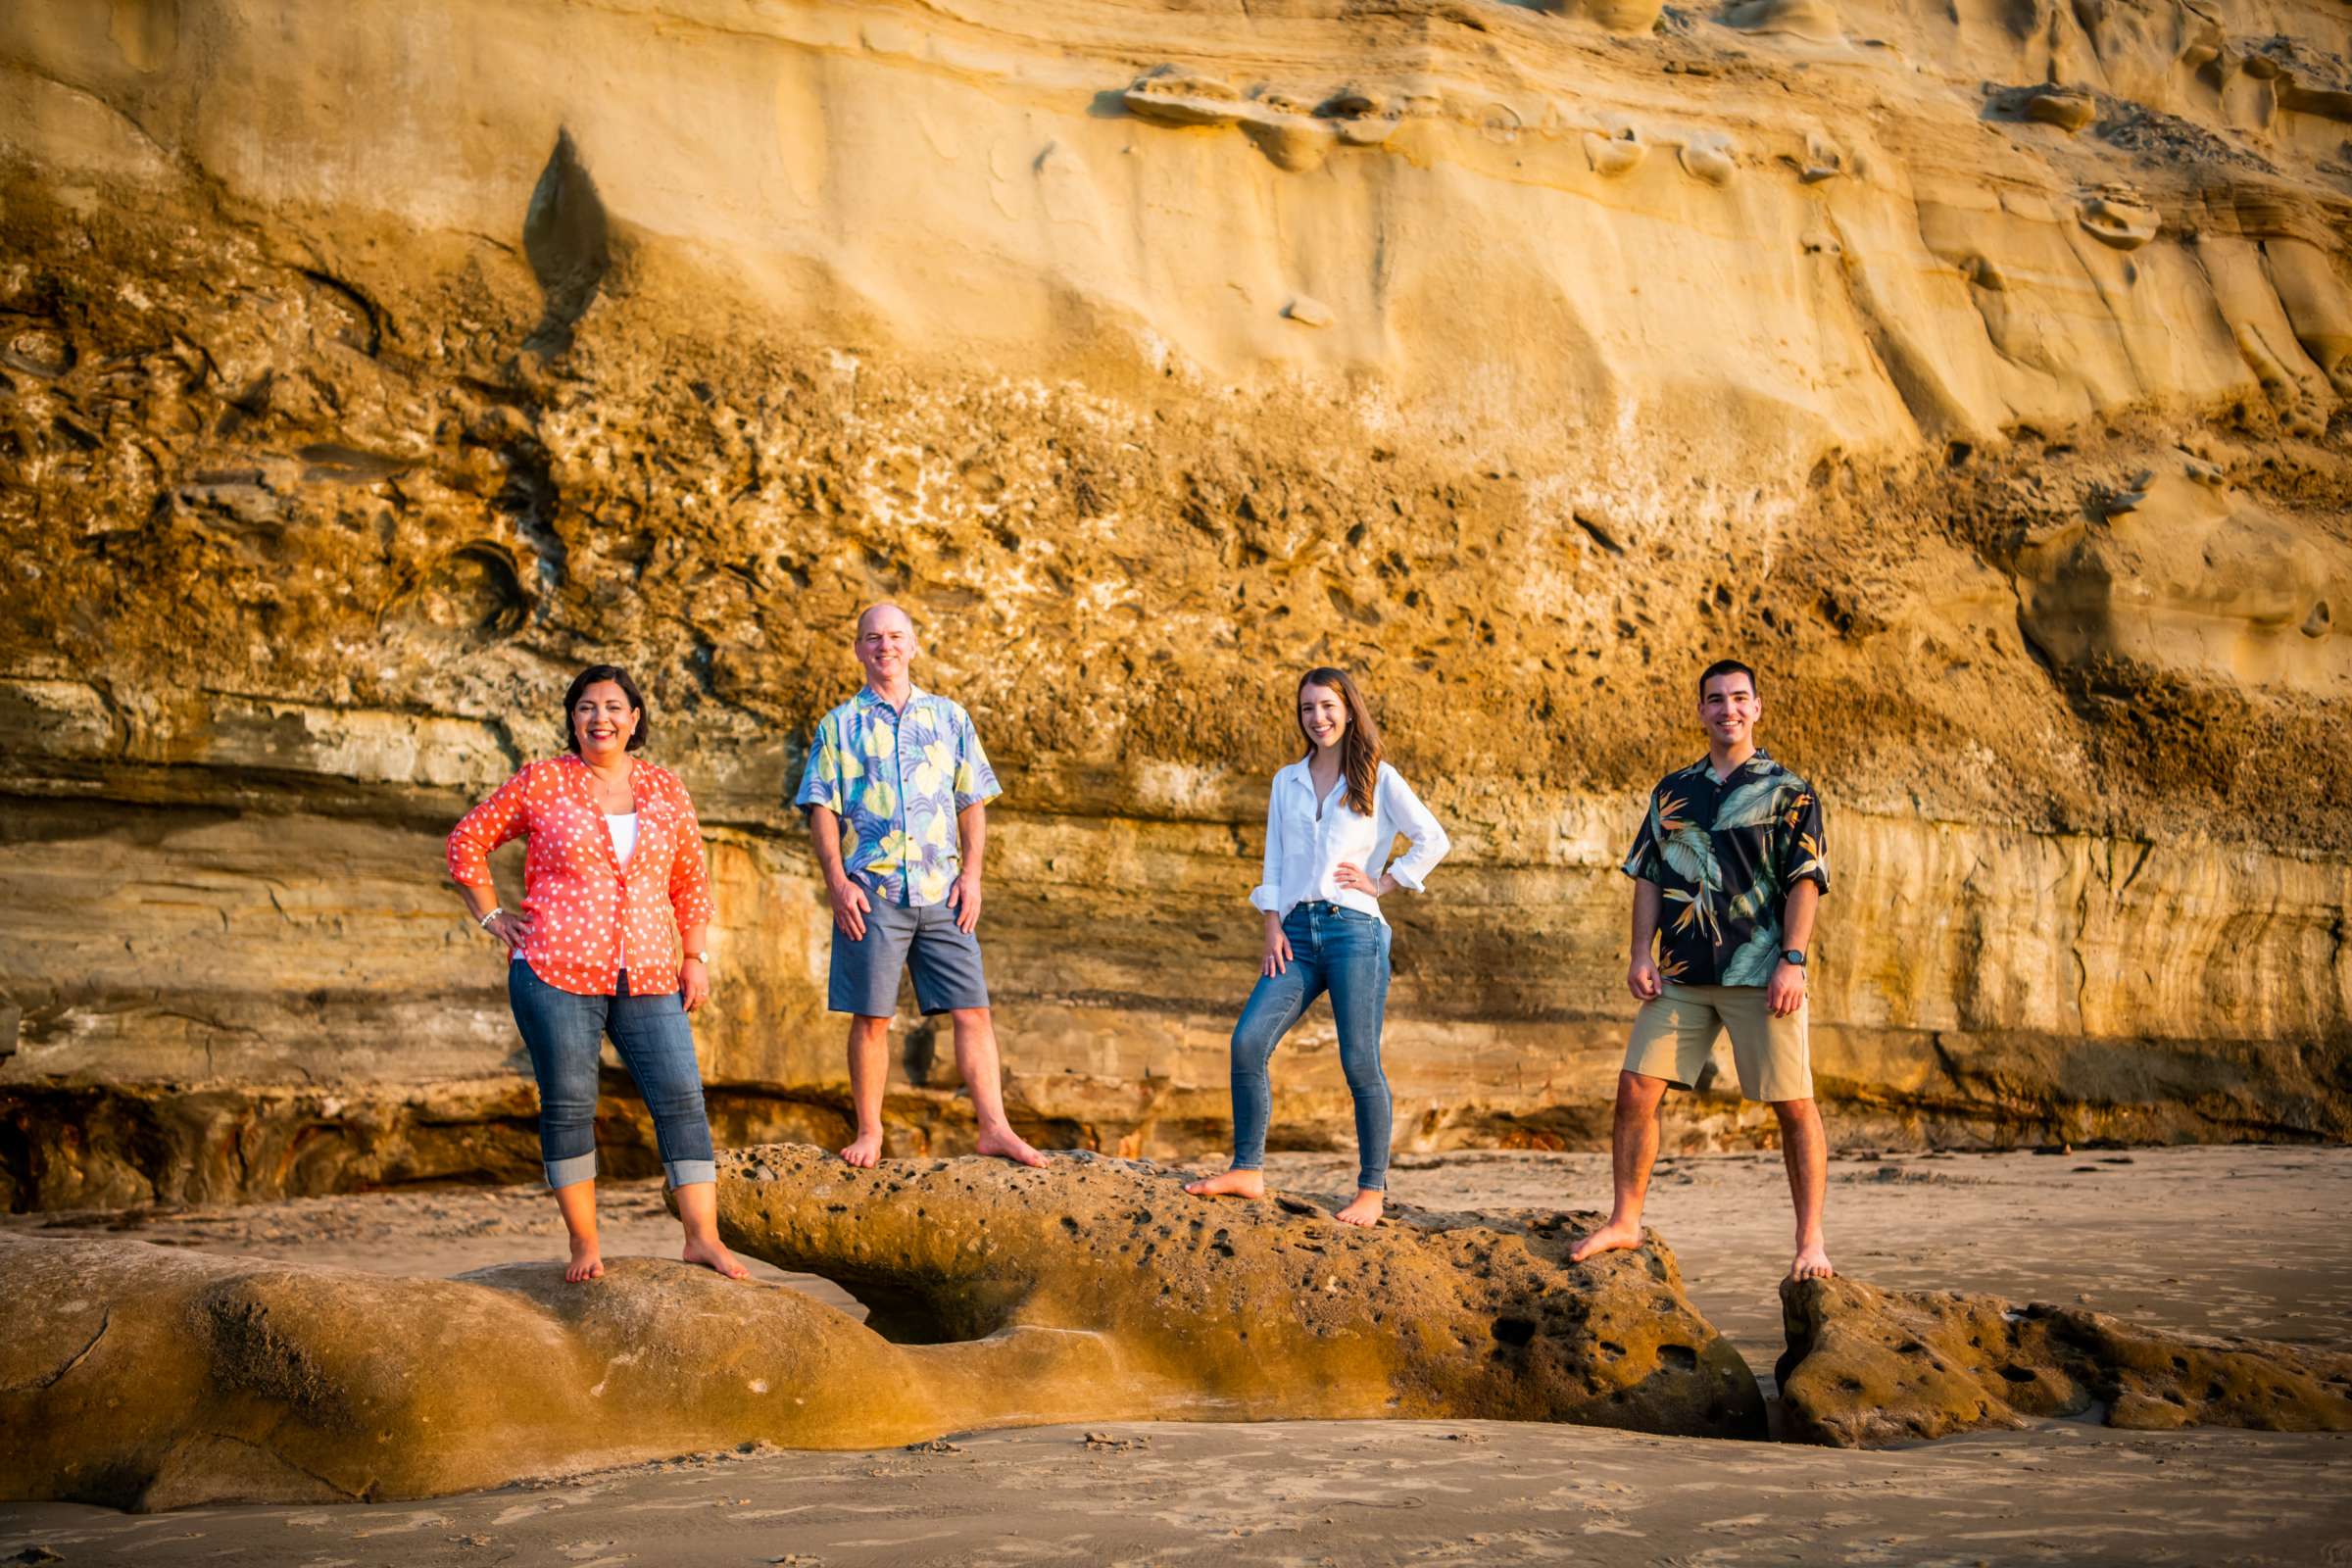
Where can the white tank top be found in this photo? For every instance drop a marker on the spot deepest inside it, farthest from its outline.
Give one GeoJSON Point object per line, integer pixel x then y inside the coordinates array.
{"type": "Point", "coordinates": [622, 825]}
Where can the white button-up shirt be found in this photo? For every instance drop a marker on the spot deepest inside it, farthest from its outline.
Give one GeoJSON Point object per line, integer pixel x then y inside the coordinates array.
{"type": "Point", "coordinates": [1304, 845]}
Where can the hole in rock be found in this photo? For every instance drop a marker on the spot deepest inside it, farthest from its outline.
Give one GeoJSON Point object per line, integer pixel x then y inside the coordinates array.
{"type": "Point", "coordinates": [1514, 1329]}
{"type": "Point", "coordinates": [1680, 1357]}
{"type": "Point", "coordinates": [2018, 1374]}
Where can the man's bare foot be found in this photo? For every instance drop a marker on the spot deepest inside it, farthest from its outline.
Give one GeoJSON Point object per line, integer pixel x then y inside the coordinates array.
{"type": "Point", "coordinates": [1812, 1263]}
{"type": "Point", "coordinates": [711, 1255]}
{"type": "Point", "coordinates": [1617, 1236]}
{"type": "Point", "coordinates": [585, 1264]}
{"type": "Point", "coordinates": [1366, 1209]}
{"type": "Point", "coordinates": [1230, 1184]}
{"type": "Point", "coordinates": [1006, 1144]}
{"type": "Point", "coordinates": [865, 1152]}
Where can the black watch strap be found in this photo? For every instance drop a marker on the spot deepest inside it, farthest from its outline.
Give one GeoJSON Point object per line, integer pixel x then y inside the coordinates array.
{"type": "Point", "coordinates": [1795, 956]}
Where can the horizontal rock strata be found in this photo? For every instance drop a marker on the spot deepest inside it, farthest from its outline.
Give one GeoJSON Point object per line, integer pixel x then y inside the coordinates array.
{"type": "Point", "coordinates": [1978, 373]}
{"type": "Point", "coordinates": [1866, 1367]}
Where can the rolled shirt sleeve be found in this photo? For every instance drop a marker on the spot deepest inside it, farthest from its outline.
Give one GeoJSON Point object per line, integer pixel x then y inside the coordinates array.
{"type": "Point", "coordinates": [1398, 809]}
{"type": "Point", "coordinates": [1267, 895]}
{"type": "Point", "coordinates": [975, 780]}
{"type": "Point", "coordinates": [689, 873]}
{"type": "Point", "coordinates": [501, 817]}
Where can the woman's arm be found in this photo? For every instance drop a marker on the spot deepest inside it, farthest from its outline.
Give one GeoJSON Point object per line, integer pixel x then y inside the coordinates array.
{"type": "Point", "coordinates": [1267, 895]}
{"type": "Point", "coordinates": [505, 816]}
{"type": "Point", "coordinates": [1400, 810]}
{"type": "Point", "coordinates": [690, 899]}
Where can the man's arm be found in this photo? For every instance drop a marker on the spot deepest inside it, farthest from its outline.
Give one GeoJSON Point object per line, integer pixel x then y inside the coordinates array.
{"type": "Point", "coordinates": [849, 903]}
{"type": "Point", "coordinates": [1641, 978]}
{"type": "Point", "coordinates": [1786, 993]}
{"type": "Point", "coordinates": [971, 830]}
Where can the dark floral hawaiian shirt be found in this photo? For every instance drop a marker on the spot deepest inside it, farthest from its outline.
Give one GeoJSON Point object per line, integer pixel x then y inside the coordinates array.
{"type": "Point", "coordinates": [1725, 855]}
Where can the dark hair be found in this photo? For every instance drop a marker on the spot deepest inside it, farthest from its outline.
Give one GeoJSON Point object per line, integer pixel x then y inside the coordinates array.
{"type": "Point", "coordinates": [1727, 666]}
{"type": "Point", "coordinates": [619, 677]}
{"type": "Point", "coordinates": [1359, 748]}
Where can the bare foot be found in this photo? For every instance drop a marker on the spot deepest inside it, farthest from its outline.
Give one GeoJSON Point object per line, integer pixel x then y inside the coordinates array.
{"type": "Point", "coordinates": [585, 1264]}
{"type": "Point", "coordinates": [1812, 1263]}
{"type": "Point", "coordinates": [1617, 1236]}
{"type": "Point", "coordinates": [710, 1254]}
{"type": "Point", "coordinates": [1006, 1144]}
{"type": "Point", "coordinates": [1366, 1209]}
{"type": "Point", "coordinates": [865, 1152]}
{"type": "Point", "coordinates": [1230, 1184]}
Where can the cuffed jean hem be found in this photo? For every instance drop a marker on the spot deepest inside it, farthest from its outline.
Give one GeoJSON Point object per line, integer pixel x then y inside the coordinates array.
{"type": "Point", "coordinates": [571, 1172]}
{"type": "Point", "coordinates": [690, 1172]}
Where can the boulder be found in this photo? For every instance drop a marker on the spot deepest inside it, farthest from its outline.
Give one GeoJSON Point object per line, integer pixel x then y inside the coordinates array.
{"type": "Point", "coordinates": [1866, 1367]}
{"type": "Point", "coordinates": [1231, 1309]}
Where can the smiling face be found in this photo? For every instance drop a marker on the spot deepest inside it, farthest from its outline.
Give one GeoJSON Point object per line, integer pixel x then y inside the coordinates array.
{"type": "Point", "coordinates": [603, 720]}
{"type": "Point", "coordinates": [1728, 707]}
{"type": "Point", "coordinates": [1322, 716]}
{"type": "Point", "coordinates": [885, 646]}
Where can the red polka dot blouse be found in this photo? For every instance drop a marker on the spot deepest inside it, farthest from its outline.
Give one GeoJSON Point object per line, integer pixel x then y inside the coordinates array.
{"type": "Point", "coordinates": [592, 916]}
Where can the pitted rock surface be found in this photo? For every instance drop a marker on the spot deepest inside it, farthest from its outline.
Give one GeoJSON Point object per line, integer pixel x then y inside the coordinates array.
{"type": "Point", "coordinates": [1867, 1368]}
{"type": "Point", "coordinates": [1236, 1309]}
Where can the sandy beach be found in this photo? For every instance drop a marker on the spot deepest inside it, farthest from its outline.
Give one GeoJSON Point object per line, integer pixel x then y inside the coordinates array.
{"type": "Point", "coordinates": [2221, 1241]}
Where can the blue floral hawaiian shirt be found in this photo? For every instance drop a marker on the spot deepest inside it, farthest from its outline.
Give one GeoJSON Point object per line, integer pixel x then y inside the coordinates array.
{"type": "Point", "coordinates": [897, 780]}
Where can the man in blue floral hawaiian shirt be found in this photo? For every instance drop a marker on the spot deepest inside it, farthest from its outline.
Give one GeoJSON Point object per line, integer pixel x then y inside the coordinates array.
{"type": "Point", "coordinates": [1735, 847]}
{"type": "Point", "coordinates": [899, 775]}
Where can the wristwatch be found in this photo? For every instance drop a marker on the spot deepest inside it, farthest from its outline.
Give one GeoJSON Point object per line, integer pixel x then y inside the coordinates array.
{"type": "Point", "coordinates": [1795, 956]}
{"type": "Point", "coordinates": [703, 956]}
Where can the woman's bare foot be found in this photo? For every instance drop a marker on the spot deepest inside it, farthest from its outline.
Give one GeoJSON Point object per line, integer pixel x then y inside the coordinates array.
{"type": "Point", "coordinates": [1617, 1236]}
{"type": "Point", "coordinates": [865, 1152]}
{"type": "Point", "coordinates": [1811, 1263]}
{"type": "Point", "coordinates": [1230, 1184]}
{"type": "Point", "coordinates": [711, 1255]}
{"type": "Point", "coordinates": [1366, 1209]}
{"type": "Point", "coordinates": [1006, 1144]}
{"type": "Point", "coordinates": [585, 1262]}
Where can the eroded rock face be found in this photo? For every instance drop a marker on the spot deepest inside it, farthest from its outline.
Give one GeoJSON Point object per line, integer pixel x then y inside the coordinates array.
{"type": "Point", "coordinates": [144, 1377]}
{"type": "Point", "coordinates": [1522, 358]}
{"type": "Point", "coordinates": [1866, 1367]}
{"type": "Point", "coordinates": [148, 1377]}
{"type": "Point", "coordinates": [1253, 1310]}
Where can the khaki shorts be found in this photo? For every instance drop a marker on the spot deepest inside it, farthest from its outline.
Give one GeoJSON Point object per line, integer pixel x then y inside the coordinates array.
{"type": "Point", "coordinates": [1674, 1036]}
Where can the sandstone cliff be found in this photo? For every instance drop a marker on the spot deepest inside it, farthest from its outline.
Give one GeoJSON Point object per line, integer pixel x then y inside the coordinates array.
{"type": "Point", "coordinates": [1977, 370]}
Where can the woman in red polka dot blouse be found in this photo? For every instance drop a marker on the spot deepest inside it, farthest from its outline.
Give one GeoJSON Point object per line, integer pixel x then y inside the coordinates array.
{"type": "Point", "coordinates": [613, 880]}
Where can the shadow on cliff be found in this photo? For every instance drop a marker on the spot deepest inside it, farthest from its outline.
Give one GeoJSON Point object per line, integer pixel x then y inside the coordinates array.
{"type": "Point", "coordinates": [569, 241]}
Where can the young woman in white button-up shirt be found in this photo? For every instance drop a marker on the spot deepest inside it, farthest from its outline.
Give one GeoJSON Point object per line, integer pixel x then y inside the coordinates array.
{"type": "Point", "coordinates": [1331, 821]}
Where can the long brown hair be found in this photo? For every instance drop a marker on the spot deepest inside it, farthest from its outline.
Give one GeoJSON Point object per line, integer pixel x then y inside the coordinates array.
{"type": "Point", "coordinates": [1359, 748]}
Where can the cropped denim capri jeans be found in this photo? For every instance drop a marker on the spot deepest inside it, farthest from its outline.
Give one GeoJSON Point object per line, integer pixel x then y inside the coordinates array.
{"type": "Point", "coordinates": [566, 1031]}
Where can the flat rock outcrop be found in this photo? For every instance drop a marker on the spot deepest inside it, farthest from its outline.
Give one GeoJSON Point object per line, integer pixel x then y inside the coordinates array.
{"type": "Point", "coordinates": [1866, 1367]}
{"type": "Point", "coordinates": [1253, 1310]}
{"type": "Point", "coordinates": [147, 1377]}
{"type": "Point", "coordinates": [1979, 371]}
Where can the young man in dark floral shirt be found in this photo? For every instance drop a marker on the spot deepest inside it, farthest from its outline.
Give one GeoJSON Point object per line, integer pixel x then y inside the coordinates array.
{"type": "Point", "coordinates": [1731, 857]}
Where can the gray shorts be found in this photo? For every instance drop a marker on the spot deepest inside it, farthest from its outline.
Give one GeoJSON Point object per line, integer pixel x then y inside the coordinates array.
{"type": "Point", "coordinates": [899, 937]}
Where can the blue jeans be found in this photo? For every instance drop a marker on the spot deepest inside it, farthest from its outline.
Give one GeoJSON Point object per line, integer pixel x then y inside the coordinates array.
{"type": "Point", "coordinates": [565, 1032]}
{"type": "Point", "coordinates": [1344, 952]}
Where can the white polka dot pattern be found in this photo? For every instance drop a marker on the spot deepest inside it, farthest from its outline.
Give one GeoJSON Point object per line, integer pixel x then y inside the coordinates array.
{"type": "Point", "coordinates": [591, 917]}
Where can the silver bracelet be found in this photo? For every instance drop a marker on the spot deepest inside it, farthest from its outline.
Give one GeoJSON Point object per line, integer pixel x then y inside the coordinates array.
{"type": "Point", "coordinates": [484, 920]}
